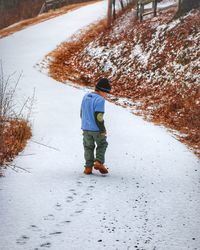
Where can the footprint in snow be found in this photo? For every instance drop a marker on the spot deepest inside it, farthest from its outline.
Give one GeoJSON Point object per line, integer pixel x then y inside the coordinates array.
{"type": "Point", "coordinates": [58, 206]}
{"type": "Point", "coordinates": [44, 237]}
{"type": "Point", "coordinates": [79, 211]}
{"type": "Point", "coordinates": [49, 217]}
{"type": "Point", "coordinates": [34, 228]}
{"type": "Point", "coordinates": [66, 222]}
{"type": "Point", "coordinates": [56, 233]}
{"type": "Point", "coordinates": [86, 194]}
{"type": "Point", "coordinates": [46, 244]}
{"type": "Point", "coordinates": [69, 199]}
{"type": "Point", "coordinates": [73, 192]}
{"type": "Point", "coordinates": [79, 183]}
{"type": "Point", "coordinates": [22, 240]}
{"type": "Point", "coordinates": [90, 187]}
{"type": "Point", "coordinates": [83, 202]}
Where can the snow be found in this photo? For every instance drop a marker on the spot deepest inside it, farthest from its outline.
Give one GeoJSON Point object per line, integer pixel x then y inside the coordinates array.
{"type": "Point", "coordinates": [162, 4]}
{"type": "Point", "coordinates": [150, 199]}
{"type": "Point", "coordinates": [139, 54]}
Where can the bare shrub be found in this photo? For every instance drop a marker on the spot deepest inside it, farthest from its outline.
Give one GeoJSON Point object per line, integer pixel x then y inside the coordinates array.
{"type": "Point", "coordinates": [14, 125]}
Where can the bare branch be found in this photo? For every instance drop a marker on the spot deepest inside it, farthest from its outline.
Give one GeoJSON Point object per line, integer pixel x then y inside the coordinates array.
{"type": "Point", "coordinates": [46, 145]}
{"type": "Point", "coordinates": [13, 167]}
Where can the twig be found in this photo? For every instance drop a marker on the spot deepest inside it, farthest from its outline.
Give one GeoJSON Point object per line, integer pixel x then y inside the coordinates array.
{"type": "Point", "coordinates": [15, 166]}
{"type": "Point", "coordinates": [45, 145]}
{"type": "Point", "coordinates": [26, 155]}
{"type": "Point", "coordinates": [32, 99]}
{"type": "Point", "coordinates": [22, 108]}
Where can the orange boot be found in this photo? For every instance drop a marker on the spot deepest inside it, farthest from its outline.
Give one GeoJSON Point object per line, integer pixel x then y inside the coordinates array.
{"type": "Point", "coordinates": [99, 166]}
{"type": "Point", "coordinates": [88, 170]}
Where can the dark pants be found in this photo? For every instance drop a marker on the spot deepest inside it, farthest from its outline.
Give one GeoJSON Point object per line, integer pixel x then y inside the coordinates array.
{"type": "Point", "coordinates": [92, 140]}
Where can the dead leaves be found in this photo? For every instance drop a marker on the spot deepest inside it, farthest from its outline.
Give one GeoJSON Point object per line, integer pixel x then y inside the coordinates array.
{"type": "Point", "coordinates": [13, 137]}
{"type": "Point", "coordinates": [167, 85]}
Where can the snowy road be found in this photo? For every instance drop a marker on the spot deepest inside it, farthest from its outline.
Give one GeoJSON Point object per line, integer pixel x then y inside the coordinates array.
{"type": "Point", "coordinates": [151, 198]}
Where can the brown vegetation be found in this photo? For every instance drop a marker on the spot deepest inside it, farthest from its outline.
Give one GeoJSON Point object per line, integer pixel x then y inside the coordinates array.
{"type": "Point", "coordinates": [13, 138]}
{"type": "Point", "coordinates": [15, 129]}
{"type": "Point", "coordinates": [61, 69]}
{"type": "Point", "coordinates": [166, 94]}
{"type": "Point", "coordinates": [63, 65]}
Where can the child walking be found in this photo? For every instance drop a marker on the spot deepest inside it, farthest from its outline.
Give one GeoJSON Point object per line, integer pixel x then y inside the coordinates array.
{"type": "Point", "coordinates": [94, 131]}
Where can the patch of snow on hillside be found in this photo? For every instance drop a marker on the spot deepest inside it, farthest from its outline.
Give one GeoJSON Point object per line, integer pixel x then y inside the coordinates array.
{"type": "Point", "coordinates": [139, 54]}
{"type": "Point", "coordinates": [163, 4]}
{"type": "Point", "coordinates": [149, 200]}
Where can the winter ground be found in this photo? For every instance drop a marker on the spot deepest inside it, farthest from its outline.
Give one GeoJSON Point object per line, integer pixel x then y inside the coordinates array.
{"type": "Point", "coordinates": [151, 197]}
{"type": "Point", "coordinates": [162, 4]}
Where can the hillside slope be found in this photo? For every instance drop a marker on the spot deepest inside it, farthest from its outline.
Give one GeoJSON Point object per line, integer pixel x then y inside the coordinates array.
{"type": "Point", "coordinates": [155, 64]}
{"type": "Point", "coordinates": [150, 198]}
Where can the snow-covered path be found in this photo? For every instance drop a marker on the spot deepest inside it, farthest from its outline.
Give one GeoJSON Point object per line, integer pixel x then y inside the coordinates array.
{"type": "Point", "coordinates": [151, 198]}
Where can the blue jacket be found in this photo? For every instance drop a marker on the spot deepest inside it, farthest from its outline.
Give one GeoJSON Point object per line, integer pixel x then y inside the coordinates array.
{"type": "Point", "coordinates": [91, 103]}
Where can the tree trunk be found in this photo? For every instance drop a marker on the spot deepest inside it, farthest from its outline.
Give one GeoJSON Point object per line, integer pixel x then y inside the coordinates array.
{"type": "Point", "coordinates": [109, 14]}
{"type": "Point", "coordinates": [114, 11]}
{"type": "Point", "coordinates": [186, 5]}
{"type": "Point", "coordinates": [122, 5]}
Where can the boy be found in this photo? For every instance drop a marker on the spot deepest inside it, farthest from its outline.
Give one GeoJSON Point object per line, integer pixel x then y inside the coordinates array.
{"type": "Point", "coordinates": [94, 132]}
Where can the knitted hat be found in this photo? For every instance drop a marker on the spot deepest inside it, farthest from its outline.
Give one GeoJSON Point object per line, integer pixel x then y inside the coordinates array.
{"type": "Point", "coordinates": [103, 85]}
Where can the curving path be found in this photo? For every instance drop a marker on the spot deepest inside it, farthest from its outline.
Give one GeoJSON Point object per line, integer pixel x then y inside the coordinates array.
{"type": "Point", "coordinates": [151, 198]}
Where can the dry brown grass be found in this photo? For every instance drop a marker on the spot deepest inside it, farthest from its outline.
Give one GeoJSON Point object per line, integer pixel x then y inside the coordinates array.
{"type": "Point", "coordinates": [41, 18]}
{"type": "Point", "coordinates": [13, 139]}
{"type": "Point", "coordinates": [177, 105]}
{"type": "Point", "coordinates": [15, 129]}
{"type": "Point", "coordinates": [60, 69]}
